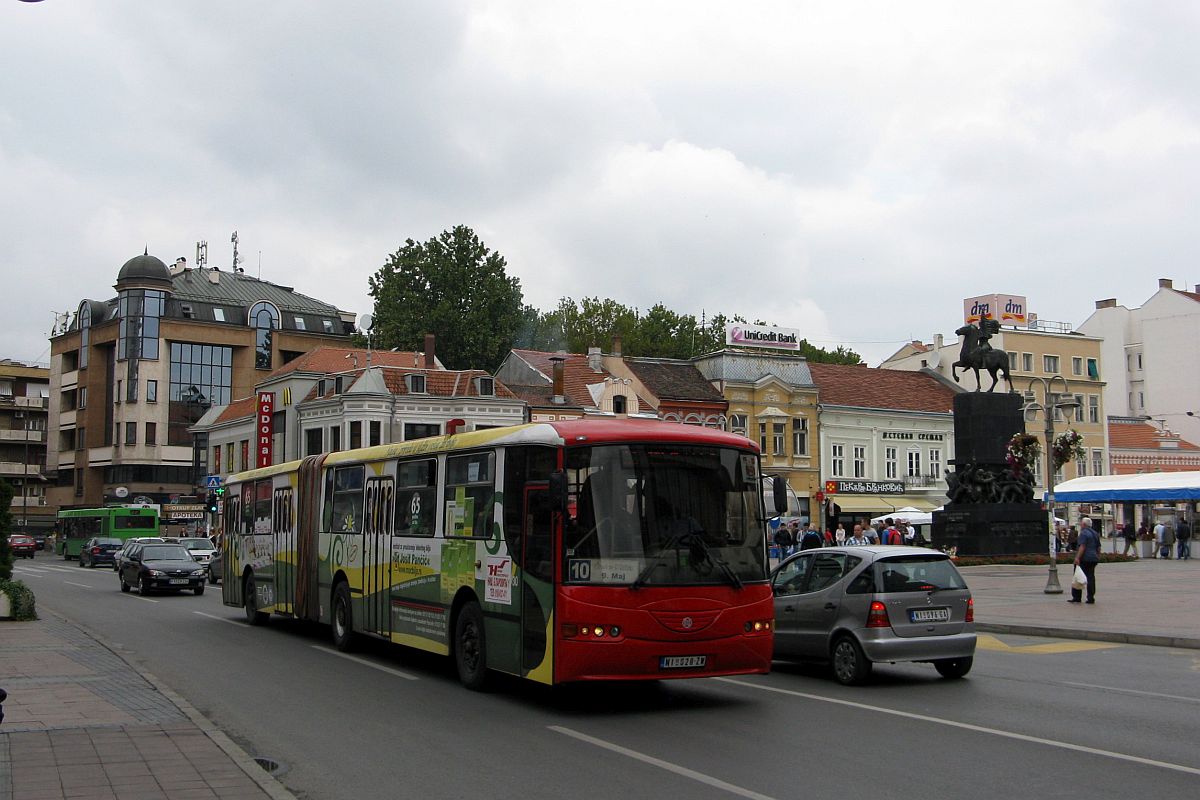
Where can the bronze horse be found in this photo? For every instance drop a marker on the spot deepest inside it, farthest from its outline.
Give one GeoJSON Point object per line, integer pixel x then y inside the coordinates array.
{"type": "Point", "coordinates": [976, 357]}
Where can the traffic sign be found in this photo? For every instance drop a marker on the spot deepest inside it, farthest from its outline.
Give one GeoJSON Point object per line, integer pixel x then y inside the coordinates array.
{"type": "Point", "coordinates": [212, 481]}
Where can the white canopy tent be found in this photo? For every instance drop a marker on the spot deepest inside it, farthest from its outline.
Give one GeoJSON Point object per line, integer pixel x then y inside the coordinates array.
{"type": "Point", "coordinates": [913, 515]}
{"type": "Point", "coordinates": [1165, 486]}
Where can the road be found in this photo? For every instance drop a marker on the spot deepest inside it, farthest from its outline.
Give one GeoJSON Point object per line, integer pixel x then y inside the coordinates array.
{"type": "Point", "coordinates": [1035, 717]}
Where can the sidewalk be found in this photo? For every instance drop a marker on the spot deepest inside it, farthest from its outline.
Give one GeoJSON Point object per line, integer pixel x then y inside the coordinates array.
{"type": "Point", "coordinates": [1140, 602]}
{"type": "Point", "coordinates": [82, 723]}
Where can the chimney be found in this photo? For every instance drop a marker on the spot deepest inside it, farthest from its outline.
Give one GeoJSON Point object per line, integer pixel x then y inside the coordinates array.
{"type": "Point", "coordinates": [1109, 303]}
{"type": "Point", "coordinates": [559, 395]}
{"type": "Point", "coordinates": [429, 357]}
{"type": "Point", "coordinates": [616, 345]}
{"type": "Point", "coordinates": [937, 341]}
{"type": "Point", "coordinates": [594, 359]}
{"type": "Point", "coordinates": [1165, 283]}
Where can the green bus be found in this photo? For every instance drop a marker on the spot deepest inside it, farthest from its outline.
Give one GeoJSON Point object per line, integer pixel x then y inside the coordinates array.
{"type": "Point", "coordinates": [77, 525]}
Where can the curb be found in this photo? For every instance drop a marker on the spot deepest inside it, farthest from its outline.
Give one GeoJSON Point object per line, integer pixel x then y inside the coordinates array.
{"type": "Point", "coordinates": [1147, 639]}
{"type": "Point", "coordinates": [264, 780]}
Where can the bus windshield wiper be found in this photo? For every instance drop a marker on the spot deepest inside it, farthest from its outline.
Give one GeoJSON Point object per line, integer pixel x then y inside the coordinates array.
{"type": "Point", "coordinates": [695, 542]}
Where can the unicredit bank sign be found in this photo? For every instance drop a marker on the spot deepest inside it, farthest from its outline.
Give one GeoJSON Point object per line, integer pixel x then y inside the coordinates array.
{"type": "Point", "coordinates": [743, 335]}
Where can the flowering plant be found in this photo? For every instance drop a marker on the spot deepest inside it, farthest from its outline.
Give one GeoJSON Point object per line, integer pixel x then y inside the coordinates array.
{"type": "Point", "coordinates": [1024, 450]}
{"type": "Point", "coordinates": [1068, 446]}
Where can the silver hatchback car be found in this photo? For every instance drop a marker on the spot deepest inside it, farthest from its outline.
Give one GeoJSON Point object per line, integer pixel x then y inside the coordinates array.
{"type": "Point", "coordinates": [854, 606]}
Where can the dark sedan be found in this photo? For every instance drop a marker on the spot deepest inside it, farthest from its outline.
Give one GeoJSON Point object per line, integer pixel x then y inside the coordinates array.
{"type": "Point", "coordinates": [22, 545]}
{"type": "Point", "coordinates": [99, 550]}
{"type": "Point", "coordinates": [161, 566]}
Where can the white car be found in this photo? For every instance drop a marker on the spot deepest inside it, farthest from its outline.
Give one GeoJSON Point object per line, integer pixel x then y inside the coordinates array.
{"type": "Point", "coordinates": [200, 548]}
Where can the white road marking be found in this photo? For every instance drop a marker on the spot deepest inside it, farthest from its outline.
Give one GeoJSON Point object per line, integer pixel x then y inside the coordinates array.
{"type": "Point", "coordinates": [84, 585]}
{"type": "Point", "coordinates": [700, 777]}
{"type": "Point", "coordinates": [140, 597]}
{"type": "Point", "coordinates": [221, 619]}
{"type": "Point", "coordinates": [36, 571]}
{"type": "Point", "coordinates": [62, 569]}
{"type": "Point", "coordinates": [366, 663]}
{"type": "Point", "coordinates": [1119, 690]}
{"type": "Point", "coordinates": [1022, 737]}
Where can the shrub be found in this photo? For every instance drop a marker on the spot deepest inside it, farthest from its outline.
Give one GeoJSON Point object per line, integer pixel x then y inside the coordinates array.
{"type": "Point", "coordinates": [22, 599]}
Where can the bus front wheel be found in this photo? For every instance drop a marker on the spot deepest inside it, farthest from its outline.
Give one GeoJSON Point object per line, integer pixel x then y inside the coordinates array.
{"type": "Point", "coordinates": [250, 603]}
{"type": "Point", "coordinates": [343, 618]}
{"type": "Point", "coordinates": [470, 647]}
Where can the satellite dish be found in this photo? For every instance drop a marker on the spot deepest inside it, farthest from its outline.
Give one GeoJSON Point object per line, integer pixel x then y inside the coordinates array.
{"type": "Point", "coordinates": [935, 358]}
{"type": "Point", "coordinates": [366, 322]}
{"type": "Point", "coordinates": [121, 492]}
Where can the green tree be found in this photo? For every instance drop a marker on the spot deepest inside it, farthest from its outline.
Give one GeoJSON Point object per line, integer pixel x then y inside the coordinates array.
{"type": "Point", "coordinates": [6, 559]}
{"type": "Point", "coordinates": [454, 287]}
{"type": "Point", "coordinates": [593, 322]}
{"type": "Point", "coordinates": [540, 331]}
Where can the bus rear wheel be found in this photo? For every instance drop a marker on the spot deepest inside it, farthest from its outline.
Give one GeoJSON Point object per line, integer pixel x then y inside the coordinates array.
{"type": "Point", "coordinates": [470, 647]}
{"type": "Point", "coordinates": [343, 618]}
{"type": "Point", "coordinates": [250, 603]}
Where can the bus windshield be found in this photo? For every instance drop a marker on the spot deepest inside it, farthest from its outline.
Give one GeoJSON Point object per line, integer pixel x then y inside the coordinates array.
{"type": "Point", "coordinates": [663, 515]}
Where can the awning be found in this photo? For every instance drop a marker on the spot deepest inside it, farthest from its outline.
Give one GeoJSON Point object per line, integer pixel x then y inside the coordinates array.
{"type": "Point", "coordinates": [878, 504]}
{"type": "Point", "coordinates": [1116, 488]}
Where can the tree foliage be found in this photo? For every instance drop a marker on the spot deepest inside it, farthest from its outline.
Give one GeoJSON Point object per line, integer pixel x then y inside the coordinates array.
{"type": "Point", "coordinates": [454, 287]}
{"type": "Point", "coordinates": [6, 558]}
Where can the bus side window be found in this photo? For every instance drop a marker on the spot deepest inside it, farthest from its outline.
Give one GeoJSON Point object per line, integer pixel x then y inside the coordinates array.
{"type": "Point", "coordinates": [416, 502]}
{"type": "Point", "coordinates": [347, 499]}
{"type": "Point", "coordinates": [470, 494]}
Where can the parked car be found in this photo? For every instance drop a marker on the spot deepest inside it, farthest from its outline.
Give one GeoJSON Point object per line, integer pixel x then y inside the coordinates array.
{"type": "Point", "coordinates": [40, 538]}
{"type": "Point", "coordinates": [119, 559]}
{"type": "Point", "coordinates": [856, 606]}
{"type": "Point", "coordinates": [22, 545]}
{"type": "Point", "coordinates": [99, 550]}
{"type": "Point", "coordinates": [216, 568]}
{"type": "Point", "coordinates": [161, 566]}
{"type": "Point", "coordinates": [201, 548]}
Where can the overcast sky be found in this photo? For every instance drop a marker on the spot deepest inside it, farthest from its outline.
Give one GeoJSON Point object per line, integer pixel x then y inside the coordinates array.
{"type": "Point", "coordinates": [853, 170]}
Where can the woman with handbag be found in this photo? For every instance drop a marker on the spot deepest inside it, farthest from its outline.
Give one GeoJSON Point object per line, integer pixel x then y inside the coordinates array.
{"type": "Point", "coordinates": [1087, 556]}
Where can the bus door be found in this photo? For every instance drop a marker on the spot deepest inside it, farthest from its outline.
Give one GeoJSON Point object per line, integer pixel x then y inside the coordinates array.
{"type": "Point", "coordinates": [377, 554]}
{"type": "Point", "coordinates": [537, 580]}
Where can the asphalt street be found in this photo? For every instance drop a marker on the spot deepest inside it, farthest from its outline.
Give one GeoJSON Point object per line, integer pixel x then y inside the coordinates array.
{"type": "Point", "coordinates": [1050, 718]}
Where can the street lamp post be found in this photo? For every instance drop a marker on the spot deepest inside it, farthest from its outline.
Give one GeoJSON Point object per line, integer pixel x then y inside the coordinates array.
{"type": "Point", "coordinates": [1053, 403]}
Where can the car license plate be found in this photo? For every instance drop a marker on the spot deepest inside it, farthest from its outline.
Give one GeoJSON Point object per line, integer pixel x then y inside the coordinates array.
{"type": "Point", "coordinates": [682, 662]}
{"type": "Point", "coordinates": [178, 580]}
{"type": "Point", "coordinates": [929, 614]}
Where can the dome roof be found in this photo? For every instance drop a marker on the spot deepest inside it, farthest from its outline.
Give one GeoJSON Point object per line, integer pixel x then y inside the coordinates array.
{"type": "Point", "coordinates": [144, 268]}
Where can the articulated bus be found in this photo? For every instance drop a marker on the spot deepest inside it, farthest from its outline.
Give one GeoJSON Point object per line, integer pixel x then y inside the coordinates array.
{"type": "Point", "coordinates": [77, 525]}
{"type": "Point", "coordinates": [557, 551]}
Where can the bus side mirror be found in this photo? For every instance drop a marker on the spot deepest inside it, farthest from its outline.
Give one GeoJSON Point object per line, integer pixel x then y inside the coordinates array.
{"type": "Point", "coordinates": [779, 490]}
{"type": "Point", "coordinates": [558, 490]}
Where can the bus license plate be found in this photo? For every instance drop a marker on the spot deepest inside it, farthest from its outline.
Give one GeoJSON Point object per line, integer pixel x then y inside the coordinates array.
{"type": "Point", "coordinates": [178, 580]}
{"type": "Point", "coordinates": [929, 615]}
{"type": "Point", "coordinates": [682, 662]}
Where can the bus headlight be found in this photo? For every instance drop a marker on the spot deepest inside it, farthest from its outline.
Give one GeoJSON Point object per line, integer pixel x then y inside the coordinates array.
{"type": "Point", "coordinates": [759, 626]}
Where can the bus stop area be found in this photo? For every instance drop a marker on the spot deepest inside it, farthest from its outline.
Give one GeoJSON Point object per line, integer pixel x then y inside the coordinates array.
{"type": "Point", "coordinates": [83, 722]}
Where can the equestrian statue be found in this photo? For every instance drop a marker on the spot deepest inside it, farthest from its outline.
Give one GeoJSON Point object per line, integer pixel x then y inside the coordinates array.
{"type": "Point", "coordinates": [977, 354]}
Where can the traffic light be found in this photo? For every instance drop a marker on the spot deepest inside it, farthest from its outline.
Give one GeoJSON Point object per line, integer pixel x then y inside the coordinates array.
{"type": "Point", "coordinates": [211, 503]}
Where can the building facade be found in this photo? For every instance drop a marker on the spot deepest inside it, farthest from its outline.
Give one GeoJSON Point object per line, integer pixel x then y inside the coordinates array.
{"type": "Point", "coordinates": [129, 376]}
{"type": "Point", "coordinates": [570, 385]}
{"type": "Point", "coordinates": [24, 407]}
{"type": "Point", "coordinates": [773, 401]}
{"type": "Point", "coordinates": [1152, 365]}
{"type": "Point", "coordinates": [887, 438]}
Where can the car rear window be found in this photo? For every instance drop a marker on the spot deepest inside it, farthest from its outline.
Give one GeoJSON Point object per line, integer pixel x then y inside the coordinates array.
{"type": "Point", "coordinates": [118, 542]}
{"type": "Point", "coordinates": [164, 552]}
{"type": "Point", "coordinates": [917, 574]}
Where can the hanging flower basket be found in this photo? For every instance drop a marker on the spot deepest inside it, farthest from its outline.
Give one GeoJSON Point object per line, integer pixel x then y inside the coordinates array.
{"type": "Point", "coordinates": [1024, 450]}
{"type": "Point", "coordinates": [1068, 446]}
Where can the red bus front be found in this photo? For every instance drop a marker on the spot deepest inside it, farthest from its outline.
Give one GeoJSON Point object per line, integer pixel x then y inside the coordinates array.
{"type": "Point", "coordinates": [662, 566]}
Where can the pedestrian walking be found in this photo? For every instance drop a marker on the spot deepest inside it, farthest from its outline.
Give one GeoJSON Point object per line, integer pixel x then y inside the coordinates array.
{"type": "Point", "coordinates": [839, 535]}
{"type": "Point", "coordinates": [871, 533]}
{"type": "Point", "coordinates": [1087, 556]}
{"type": "Point", "coordinates": [783, 540]}
{"type": "Point", "coordinates": [811, 539]}
{"type": "Point", "coordinates": [857, 538]}
{"type": "Point", "coordinates": [1183, 535]}
{"type": "Point", "coordinates": [1130, 539]}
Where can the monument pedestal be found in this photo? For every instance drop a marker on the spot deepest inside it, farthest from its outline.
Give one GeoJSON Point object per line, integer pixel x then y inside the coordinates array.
{"type": "Point", "coordinates": [992, 529]}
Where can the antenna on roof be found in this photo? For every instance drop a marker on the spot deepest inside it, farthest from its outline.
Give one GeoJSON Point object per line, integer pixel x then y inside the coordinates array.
{"type": "Point", "coordinates": [201, 254]}
{"type": "Point", "coordinates": [367, 323]}
{"type": "Point", "coordinates": [236, 258]}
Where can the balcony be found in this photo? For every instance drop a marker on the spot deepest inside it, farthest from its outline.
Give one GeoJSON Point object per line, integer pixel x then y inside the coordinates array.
{"type": "Point", "coordinates": [28, 502]}
{"type": "Point", "coordinates": [17, 469]}
{"type": "Point", "coordinates": [22, 436]}
{"type": "Point", "coordinates": [921, 481]}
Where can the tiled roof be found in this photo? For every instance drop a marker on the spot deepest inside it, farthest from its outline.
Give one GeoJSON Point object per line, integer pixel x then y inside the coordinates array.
{"type": "Point", "coordinates": [1194, 295]}
{"type": "Point", "coordinates": [673, 380]}
{"type": "Point", "coordinates": [577, 376]}
{"type": "Point", "coordinates": [238, 409]}
{"type": "Point", "coordinates": [1138, 435]}
{"type": "Point", "coordinates": [324, 360]}
{"type": "Point", "coordinates": [870, 387]}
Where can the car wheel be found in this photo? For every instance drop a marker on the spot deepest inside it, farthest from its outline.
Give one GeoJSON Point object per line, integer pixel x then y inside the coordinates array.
{"type": "Point", "coordinates": [954, 667]}
{"type": "Point", "coordinates": [343, 618]}
{"type": "Point", "coordinates": [850, 664]}
{"type": "Point", "coordinates": [144, 587]}
{"type": "Point", "coordinates": [470, 647]}
{"type": "Point", "coordinates": [250, 603]}
{"type": "Point", "coordinates": [124, 585]}
{"type": "Point", "coordinates": [199, 590]}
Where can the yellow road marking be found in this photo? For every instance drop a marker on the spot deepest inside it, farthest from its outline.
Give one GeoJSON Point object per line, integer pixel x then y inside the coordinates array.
{"type": "Point", "coordinates": [986, 641]}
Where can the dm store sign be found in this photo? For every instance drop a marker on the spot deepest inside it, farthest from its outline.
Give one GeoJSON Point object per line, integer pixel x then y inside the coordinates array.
{"type": "Point", "coordinates": [1007, 309]}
